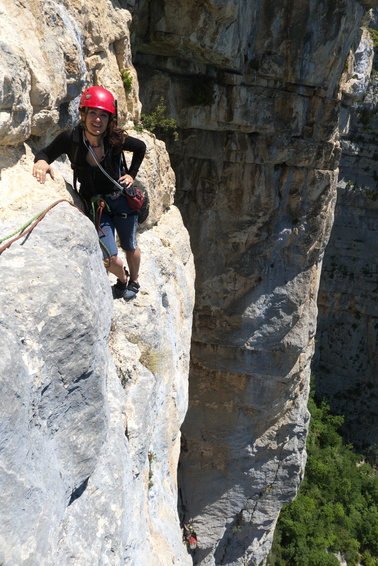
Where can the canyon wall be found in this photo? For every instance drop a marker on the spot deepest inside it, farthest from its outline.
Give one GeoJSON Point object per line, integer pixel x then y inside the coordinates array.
{"type": "Point", "coordinates": [346, 355]}
{"type": "Point", "coordinates": [93, 391]}
{"type": "Point", "coordinates": [257, 93]}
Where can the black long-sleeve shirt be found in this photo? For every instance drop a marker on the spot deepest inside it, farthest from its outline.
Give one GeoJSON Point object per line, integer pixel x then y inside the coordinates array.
{"type": "Point", "coordinates": [92, 179]}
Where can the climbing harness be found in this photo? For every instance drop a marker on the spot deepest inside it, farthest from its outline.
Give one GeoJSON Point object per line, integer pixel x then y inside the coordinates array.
{"type": "Point", "coordinates": [138, 201]}
{"type": "Point", "coordinates": [36, 219]}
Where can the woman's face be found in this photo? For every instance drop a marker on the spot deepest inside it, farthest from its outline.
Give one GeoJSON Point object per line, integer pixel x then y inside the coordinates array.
{"type": "Point", "coordinates": [96, 121]}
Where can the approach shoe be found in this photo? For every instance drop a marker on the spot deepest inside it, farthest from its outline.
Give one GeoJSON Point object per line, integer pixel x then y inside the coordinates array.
{"type": "Point", "coordinates": [125, 291]}
{"type": "Point", "coordinates": [131, 290]}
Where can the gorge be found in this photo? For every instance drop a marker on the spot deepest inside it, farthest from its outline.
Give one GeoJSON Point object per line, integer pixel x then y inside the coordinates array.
{"type": "Point", "coordinates": [196, 392]}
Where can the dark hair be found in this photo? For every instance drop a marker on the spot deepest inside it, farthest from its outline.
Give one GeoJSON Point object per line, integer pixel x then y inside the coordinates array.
{"type": "Point", "coordinates": [116, 137]}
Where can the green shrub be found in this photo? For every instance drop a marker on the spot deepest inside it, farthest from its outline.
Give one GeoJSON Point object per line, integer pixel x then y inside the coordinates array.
{"type": "Point", "coordinates": [127, 80]}
{"type": "Point", "coordinates": [158, 121]}
{"type": "Point", "coordinates": [374, 36]}
{"type": "Point", "coordinates": [336, 510]}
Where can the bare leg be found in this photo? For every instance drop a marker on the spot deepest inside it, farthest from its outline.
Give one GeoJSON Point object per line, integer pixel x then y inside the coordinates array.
{"type": "Point", "coordinates": [121, 289]}
{"type": "Point", "coordinates": [116, 267]}
{"type": "Point", "coordinates": [133, 261]}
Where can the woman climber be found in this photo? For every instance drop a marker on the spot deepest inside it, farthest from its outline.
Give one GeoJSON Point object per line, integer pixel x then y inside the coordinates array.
{"type": "Point", "coordinates": [94, 146]}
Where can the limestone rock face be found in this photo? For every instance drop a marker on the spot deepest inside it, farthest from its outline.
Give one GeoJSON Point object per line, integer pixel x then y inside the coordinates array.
{"type": "Point", "coordinates": [256, 92]}
{"type": "Point", "coordinates": [347, 341]}
{"type": "Point", "coordinates": [93, 391]}
{"type": "Point", "coordinates": [58, 48]}
{"type": "Point", "coordinates": [90, 440]}
{"type": "Point", "coordinates": [54, 410]}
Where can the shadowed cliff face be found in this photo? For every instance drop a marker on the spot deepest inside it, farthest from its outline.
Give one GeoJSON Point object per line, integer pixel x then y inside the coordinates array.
{"type": "Point", "coordinates": [347, 339]}
{"type": "Point", "coordinates": [254, 89]}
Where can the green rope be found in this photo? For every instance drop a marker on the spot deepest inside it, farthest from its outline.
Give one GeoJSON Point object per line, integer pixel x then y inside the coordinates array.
{"type": "Point", "coordinates": [106, 249]}
{"type": "Point", "coordinates": [24, 226]}
{"type": "Point", "coordinates": [31, 224]}
{"type": "Point", "coordinates": [95, 201]}
{"type": "Point", "coordinates": [39, 217]}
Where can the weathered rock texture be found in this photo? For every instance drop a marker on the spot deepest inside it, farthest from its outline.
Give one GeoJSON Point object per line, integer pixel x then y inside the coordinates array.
{"type": "Point", "coordinates": [90, 441]}
{"type": "Point", "coordinates": [92, 399]}
{"type": "Point", "coordinates": [254, 87]}
{"type": "Point", "coordinates": [347, 341]}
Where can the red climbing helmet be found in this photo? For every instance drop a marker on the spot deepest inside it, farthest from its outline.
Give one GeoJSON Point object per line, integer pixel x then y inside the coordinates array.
{"type": "Point", "coordinates": [98, 97]}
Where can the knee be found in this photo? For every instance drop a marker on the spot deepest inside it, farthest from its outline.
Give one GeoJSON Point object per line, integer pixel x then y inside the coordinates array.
{"type": "Point", "coordinates": [112, 260]}
{"type": "Point", "coordinates": [134, 251]}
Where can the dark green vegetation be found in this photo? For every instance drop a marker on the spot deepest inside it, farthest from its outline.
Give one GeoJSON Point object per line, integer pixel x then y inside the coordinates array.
{"type": "Point", "coordinates": [127, 80]}
{"type": "Point", "coordinates": [157, 121]}
{"type": "Point", "coordinates": [336, 510]}
{"type": "Point", "coordinates": [374, 36]}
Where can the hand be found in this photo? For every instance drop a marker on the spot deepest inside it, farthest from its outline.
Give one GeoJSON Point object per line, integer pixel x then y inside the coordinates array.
{"type": "Point", "coordinates": [40, 170]}
{"type": "Point", "coordinates": [126, 180]}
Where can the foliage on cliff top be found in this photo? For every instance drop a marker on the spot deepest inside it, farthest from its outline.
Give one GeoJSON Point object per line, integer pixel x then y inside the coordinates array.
{"type": "Point", "coordinates": [336, 510]}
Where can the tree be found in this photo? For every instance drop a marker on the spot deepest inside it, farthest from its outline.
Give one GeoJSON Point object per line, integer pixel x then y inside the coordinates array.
{"type": "Point", "coordinates": [336, 510]}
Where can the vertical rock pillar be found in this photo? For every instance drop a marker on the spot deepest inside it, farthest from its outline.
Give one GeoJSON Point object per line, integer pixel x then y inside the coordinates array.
{"type": "Point", "coordinates": [254, 87]}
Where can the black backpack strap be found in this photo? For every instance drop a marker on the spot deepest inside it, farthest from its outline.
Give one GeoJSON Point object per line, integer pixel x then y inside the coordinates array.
{"type": "Point", "coordinates": [124, 164]}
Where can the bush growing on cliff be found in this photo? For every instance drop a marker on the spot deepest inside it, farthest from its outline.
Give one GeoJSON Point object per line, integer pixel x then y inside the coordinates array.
{"type": "Point", "coordinates": [157, 121]}
{"type": "Point", "coordinates": [374, 35]}
{"type": "Point", "coordinates": [336, 510]}
{"type": "Point", "coordinates": [127, 80]}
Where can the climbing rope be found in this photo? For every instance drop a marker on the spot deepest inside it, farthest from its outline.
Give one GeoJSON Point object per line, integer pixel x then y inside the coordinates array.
{"type": "Point", "coordinates": [97, 206]}
{"type": "Point", "coordinates": [36, 219]}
